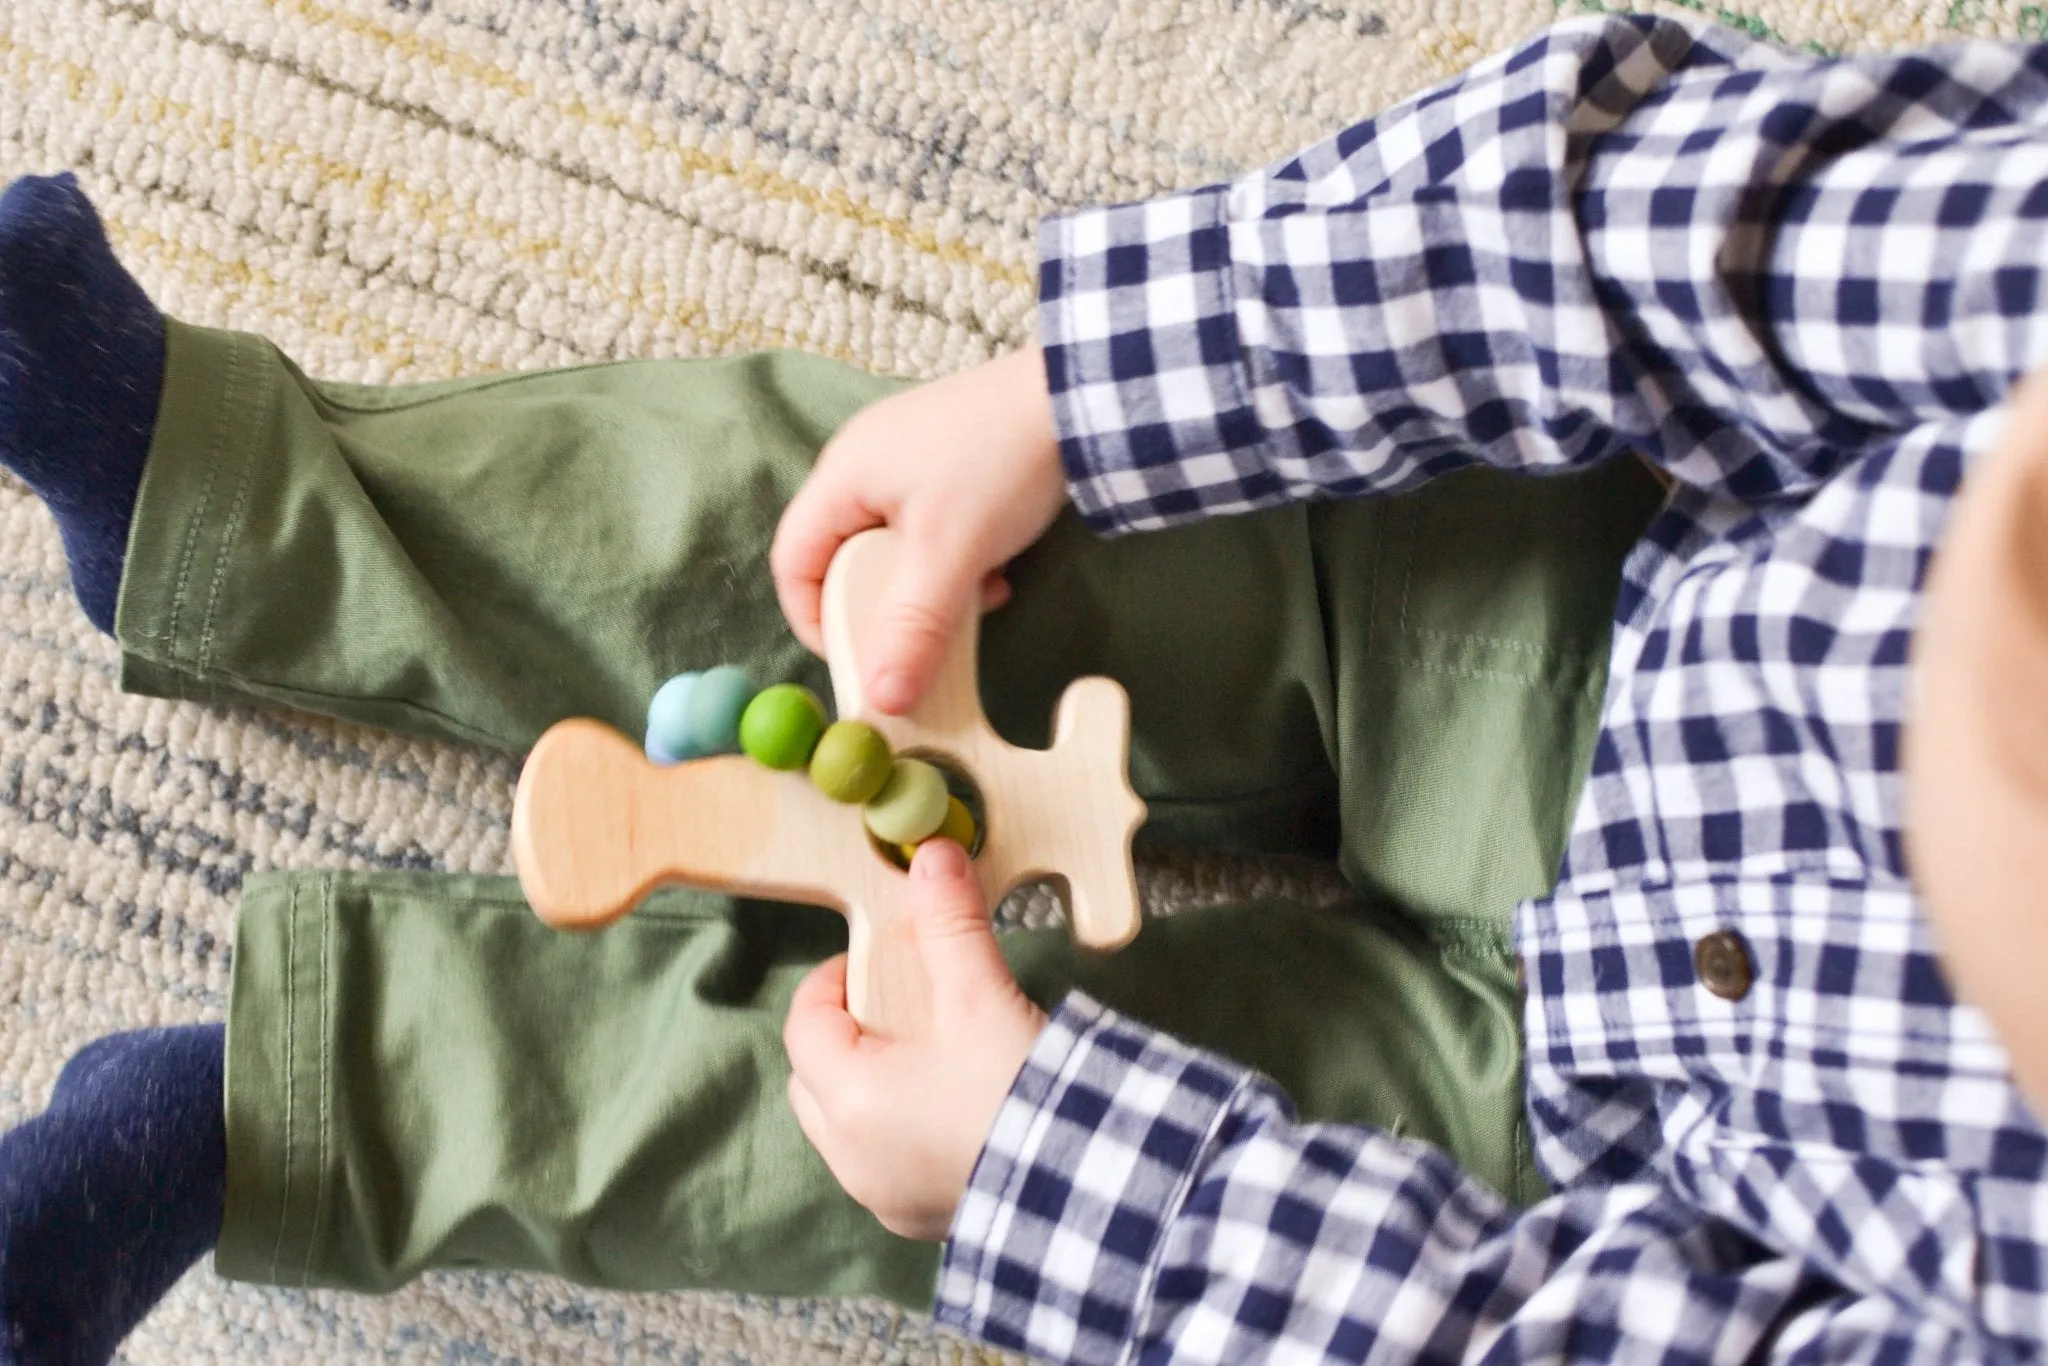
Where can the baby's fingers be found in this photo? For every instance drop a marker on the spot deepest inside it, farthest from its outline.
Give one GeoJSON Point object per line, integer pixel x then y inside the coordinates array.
{"type": "Point", "coordinates": [817, 522]}
{"type": "Point", "coordinates": [820, 1037]}
{"type": "Point", "coordinates": [937, 581]}
{"type": "Point", "coordinates": [811, 1119]}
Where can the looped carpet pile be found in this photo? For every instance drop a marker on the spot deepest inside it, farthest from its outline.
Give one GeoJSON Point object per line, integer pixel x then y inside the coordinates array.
{"type": "Point", "coordinates": [414, 189]}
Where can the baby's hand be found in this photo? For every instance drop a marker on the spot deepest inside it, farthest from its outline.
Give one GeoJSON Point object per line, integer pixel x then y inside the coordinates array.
{"type": "Point", "coordinates": [901, 1121]}
{"type": "Point", "coordinates": [967, 468]}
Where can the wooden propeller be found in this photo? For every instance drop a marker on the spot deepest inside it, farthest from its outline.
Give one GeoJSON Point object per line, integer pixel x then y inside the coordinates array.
{"type": "Point", "coordinates": [596, 826]}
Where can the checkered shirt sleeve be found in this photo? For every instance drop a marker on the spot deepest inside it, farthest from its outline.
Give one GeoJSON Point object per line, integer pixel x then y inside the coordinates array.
{"type": "Point", "coordinates": [1628, 233]}
{"type": "Point", "coordinates": [1140, 1200]}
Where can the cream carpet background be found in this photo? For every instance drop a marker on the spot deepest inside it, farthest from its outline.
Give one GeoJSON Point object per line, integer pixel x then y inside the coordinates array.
{"type": "Point", "coordinates": [411, 189]}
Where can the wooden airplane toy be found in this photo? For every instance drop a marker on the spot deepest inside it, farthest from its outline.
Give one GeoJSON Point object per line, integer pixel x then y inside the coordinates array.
{"type": "Point", "coordinates": [596, 825]}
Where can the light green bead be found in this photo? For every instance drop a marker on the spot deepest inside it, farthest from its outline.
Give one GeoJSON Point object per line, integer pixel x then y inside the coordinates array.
{"type": "Point", "coordinates": [851, 762]}
{"type": "Point", "coordinates": [781, 726]}
{"type": "Point", "coordinates": [910, 806]}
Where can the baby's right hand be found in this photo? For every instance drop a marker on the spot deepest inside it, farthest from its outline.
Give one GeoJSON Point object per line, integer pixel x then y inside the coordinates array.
{"type": "Point", "coordinates": [967, 469]}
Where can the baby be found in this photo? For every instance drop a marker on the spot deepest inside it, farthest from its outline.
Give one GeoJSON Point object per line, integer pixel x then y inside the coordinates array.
{"type": "Point", "coordinates": [1755, 1120]}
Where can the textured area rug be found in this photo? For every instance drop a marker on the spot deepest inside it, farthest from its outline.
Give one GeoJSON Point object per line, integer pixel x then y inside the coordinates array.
{"type": "Point", "coordinates": [412, 189]}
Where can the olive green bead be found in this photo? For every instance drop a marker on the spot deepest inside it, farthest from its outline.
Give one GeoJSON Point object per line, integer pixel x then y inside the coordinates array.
{"type": "Point", "coordinates": [851, 762]}
{"type": "Point", "coordinates": [910, 806]}
{"type": "Point", "coordinates": [781, 726]}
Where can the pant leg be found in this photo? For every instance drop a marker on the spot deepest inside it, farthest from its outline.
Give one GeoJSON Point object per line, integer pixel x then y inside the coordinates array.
{"type": "Point", "coordinates": [1359, 1013]}
{"type": "Point", "coordinates": [421, 1075]}
{"type": "Point", "coordinates": [1411, 684]}
{"type": "Point", "coordinates": [1469, 626]}
{"type": "Point", "coordinates": [482, 558]}
{"type": "Point", "coordinates": [1464, 631]}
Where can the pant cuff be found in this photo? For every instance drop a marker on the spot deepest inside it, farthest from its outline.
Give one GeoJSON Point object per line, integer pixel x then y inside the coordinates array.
{"type": "Point", "coordinates": [280, 1086]}
{"type": "Point", "coordinates": [189, 509]}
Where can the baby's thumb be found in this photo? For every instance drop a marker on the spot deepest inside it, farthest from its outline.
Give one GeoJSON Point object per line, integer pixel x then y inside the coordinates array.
{"type": "Point", "coordinates": [929, 599]}
{"type": "Point", "coordinates": [954, 936]}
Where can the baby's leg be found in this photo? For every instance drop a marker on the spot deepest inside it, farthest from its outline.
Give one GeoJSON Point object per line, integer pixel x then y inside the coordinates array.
{"type": "Point", "coordinates": [478, 559]}
{"type": "Point", "coordinates": [473, 559]}
{"type": "Point", "coordinates": [482, 558]}
{"type": "Point", "coordinates": [110, 1194]}
{"type": "Point", "coordinates": [1357, 1013]}
{"type": "Point", "coordinates": [1453, 646]}
{"type": "Point", "coordinates": [1414, 679]}
{"type": "Point", "coordinates": [420, 1075]}
{"type": "Point", "coordinates": [81, 360]}
{"type": "Point", "coordinates": [1469, 629]}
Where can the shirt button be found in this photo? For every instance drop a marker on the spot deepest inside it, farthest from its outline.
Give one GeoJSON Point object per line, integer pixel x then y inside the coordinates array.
{"type": "Point", "coordinates": [1722, 961]}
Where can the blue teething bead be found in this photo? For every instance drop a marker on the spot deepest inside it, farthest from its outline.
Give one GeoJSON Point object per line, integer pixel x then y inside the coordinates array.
{"type": "Point", "coordinates": [715, 705]}
{"type": "Point", "coordinates": [656, 753]}
{"type": "Point", "coordinates": [668, 721]}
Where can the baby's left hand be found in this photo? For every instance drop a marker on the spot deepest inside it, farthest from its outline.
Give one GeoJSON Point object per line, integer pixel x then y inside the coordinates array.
{"type": "Point", "coordinates": [901, 1121]}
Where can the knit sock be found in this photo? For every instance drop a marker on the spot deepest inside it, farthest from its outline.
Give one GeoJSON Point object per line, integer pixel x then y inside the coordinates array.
{"type": "Point", "coordinates": [110, 1194]}
{"type": "Point", "coordinates": [81, 370]}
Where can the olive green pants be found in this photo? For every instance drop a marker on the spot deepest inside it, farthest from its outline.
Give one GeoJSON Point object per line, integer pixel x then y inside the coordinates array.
{"type": "Point", "coordinates": [420, 1074]}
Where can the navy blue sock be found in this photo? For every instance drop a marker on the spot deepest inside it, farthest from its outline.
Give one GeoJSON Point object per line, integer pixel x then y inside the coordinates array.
{"type": "Point", "coordinates": [107, 1197]}
{"type": "Point", "coordinates": [81, 370]}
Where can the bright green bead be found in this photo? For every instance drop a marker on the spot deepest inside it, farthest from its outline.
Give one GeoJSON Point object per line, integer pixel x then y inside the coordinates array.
{"type": "Point", "coordinates": [781, 726]}
{"type": "Point", "coordinates": [851, 761]}
{"type": "Point", "coordinates": [715, 706]}
{"type": "Point", "coordinates": [910, 806]}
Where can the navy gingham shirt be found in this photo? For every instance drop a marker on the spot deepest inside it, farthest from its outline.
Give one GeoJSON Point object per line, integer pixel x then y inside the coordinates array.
{"type": "Point", "coordinates": [1802, 288]}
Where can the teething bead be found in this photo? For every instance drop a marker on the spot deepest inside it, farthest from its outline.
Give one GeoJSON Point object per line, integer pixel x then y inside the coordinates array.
{"type": "Point", "coordinates": [781, 726]}
{"type": "Point", "coordinates": [910, 806]}
{"type": "Point", "coordinates": [958, 826]}
{"type": "Point", "coordinates": [851, 761]}
{"type": "Point", "coordinates": [715, 706]}
{"type": "Point", "coordinates": [668, 721]}
{"type": "Point", "coordinates": [657, 753]}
